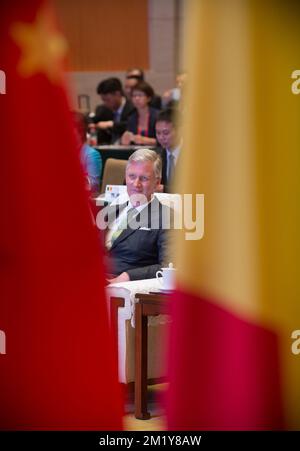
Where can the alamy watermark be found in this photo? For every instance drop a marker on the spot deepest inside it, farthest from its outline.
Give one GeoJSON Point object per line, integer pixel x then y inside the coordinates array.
{"type": "Point", "coordinates": [295, 335]}
{"type": "Point", "coordinates": [295, 348]}
{"type": "Point", "coordinates": [2, 342]}
{"type": "Point", "coordinates": [186, 212]}
{"type": "Point", "coordinates": [295, 87]}
{"type": "Point", "coordinates": [2, 82]}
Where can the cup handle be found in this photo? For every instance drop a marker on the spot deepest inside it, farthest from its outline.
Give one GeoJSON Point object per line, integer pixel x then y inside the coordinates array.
{"type": "Point", "coordinates": [159, 278]}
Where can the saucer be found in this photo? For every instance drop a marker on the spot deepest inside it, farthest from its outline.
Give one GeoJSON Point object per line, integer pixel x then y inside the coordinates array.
{"type": "Point", "coordinates": [165, 290]}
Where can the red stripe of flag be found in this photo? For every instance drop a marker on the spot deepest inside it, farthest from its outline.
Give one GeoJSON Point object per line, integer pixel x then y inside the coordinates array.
{"type": "Point", "coordinates": [224, 371]}
{"type": "Point", "coordinates": [59, 370]}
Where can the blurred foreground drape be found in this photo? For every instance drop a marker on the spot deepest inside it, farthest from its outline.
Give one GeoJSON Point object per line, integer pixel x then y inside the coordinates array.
{"type": "Point", "coordinates": [59, 369]}
{"type": "Point", "coordinates": [237, 304]}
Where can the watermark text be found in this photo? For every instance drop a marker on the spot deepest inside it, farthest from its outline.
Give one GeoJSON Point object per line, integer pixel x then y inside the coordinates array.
{"type": "Point", "coordinates": [2, 82]}
{"type": "Point", "coordinates": [184, 213]}
{"type": "Point", "coordinates": [296, 84]}
{"type": "Point", "coordinates": [295, 348]}
{"type": "Point", "coordinates": [2, 342]}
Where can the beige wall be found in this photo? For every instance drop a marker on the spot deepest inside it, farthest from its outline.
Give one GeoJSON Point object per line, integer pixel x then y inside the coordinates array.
{"type": "Point", "coordinates": [165, 24]}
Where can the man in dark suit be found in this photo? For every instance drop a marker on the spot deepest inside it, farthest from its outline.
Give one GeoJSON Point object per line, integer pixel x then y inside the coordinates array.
{"type": "Point", "coordinates": [136, 240]}
{"type": "Point", "coordinates": [111, 117]}
{"type": "Point", "coordinates": [169, 138]}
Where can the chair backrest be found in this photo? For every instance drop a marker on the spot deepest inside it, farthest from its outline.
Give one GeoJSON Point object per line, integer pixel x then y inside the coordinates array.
{"type": "Point", "coordinates": [113, 173]}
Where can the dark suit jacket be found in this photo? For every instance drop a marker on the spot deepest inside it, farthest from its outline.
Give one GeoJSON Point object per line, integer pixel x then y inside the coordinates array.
{"type": "Point", "coordinates": [140, 252]}
{"type": "Point", "coordinates": [132, 124]}
{"type": "Point", "coordinates": [164, 178]}
{"type": "Point", "coordinates": [156, 102]}
{"type": "Point", "coordinates": [103, 113]}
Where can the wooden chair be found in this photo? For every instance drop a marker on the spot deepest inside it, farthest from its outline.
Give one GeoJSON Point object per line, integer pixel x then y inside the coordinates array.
{"type": "Point", "coordinates": [113, 173]}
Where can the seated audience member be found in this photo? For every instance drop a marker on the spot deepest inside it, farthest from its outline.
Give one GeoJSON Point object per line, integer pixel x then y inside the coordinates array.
{"type": "Point", "coordinates": [134, 76]}
{"type": "Point", "coordinates": [168, 136]}
{"type": "Point", "coordinates": [172, 97]}
{"type": "Point", "coordinates": [129, 84]}
{"type": "Point", "coordinates": [141, 123]}
{"type": "Point", "coordinates": [111, 117]}
{"type": "Point", "coordinates": [90, 158]}
{"type": "Point", "coordinates": [138, 250]}
{"type": "Point", "coordinates": [136, 72]}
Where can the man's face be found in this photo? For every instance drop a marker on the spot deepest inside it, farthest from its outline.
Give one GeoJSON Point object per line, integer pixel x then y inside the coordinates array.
{"type": "Point", "coordinates": [129, 84]}
{"type": "Point", "coordinates": [165, 134]}
{"type": "Point", "coordinates": [112, 100]}
{"type": "Point", "coordinates": [141, 181]}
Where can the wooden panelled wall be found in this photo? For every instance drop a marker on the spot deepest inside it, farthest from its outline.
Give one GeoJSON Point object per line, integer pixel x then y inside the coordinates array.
{"type": "Point", "coordinates": [105, 35]}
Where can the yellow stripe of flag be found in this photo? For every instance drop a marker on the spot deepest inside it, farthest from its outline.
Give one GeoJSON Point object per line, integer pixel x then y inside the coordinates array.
{"type": "Point", "coordinates": [242, 151]}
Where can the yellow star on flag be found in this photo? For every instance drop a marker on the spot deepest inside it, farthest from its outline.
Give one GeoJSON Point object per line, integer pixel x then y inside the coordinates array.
{"type": "Point", "coordinates": [42, 46]}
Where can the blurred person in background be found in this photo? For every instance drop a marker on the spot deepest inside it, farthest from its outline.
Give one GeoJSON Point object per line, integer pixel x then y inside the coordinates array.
{"type": "Point", "coordinates": [168, 135]}
{"type": "Point", "coordinates": [90, 158]}
{"type": "Point", "coordinates": [172, 97]}
{"type": "Point", "coordinates": [111, 117]}
{"type": "Point", "coordinates": [135, 72]}
{"type": "Point", "coordinates": [134, 76]}
{"type": "Point", "coordinates": [130, 83]}
{"type": "Point", "coordinates": [141, 123]}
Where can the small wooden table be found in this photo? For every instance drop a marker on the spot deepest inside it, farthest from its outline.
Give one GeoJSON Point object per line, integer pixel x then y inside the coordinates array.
{"type": "Point", "coordinates": [146, 305]}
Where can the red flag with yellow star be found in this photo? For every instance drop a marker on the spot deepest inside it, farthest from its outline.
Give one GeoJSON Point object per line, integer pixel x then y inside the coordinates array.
{"type": "Point", "coordinates": [57, 366]}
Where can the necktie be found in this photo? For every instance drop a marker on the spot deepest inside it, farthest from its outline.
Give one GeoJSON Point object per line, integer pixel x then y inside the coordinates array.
{"type": "Point", "coordinates": [123, 224]}
{"type": "Point", "coordinates": [171, 167]}
{"type": "Point", "coordinates": [117, 116]}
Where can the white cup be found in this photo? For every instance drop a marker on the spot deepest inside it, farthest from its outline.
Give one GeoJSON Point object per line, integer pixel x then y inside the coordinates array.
{"type": "Point", "coordinates": [166, 277]}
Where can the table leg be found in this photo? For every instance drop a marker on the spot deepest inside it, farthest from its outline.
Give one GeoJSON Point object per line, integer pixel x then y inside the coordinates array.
{"type": "Point", "coordinates": [141, 357]}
